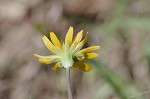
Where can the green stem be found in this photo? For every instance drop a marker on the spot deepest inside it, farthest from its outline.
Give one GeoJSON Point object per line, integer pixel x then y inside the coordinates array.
{"type": "Point", "coordinates": [69, 91]}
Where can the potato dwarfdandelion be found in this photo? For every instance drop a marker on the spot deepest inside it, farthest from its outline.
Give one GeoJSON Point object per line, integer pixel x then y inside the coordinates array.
{"type": "Point", "coordinates": [68, 54]}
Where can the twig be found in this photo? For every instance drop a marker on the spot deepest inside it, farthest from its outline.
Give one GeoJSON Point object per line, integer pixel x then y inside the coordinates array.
{"type": "Point", "coordinates": [140, 94]}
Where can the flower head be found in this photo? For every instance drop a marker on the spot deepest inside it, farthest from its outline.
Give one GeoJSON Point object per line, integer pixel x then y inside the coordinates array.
{"type": "Point", "coordinates": [68, 53]}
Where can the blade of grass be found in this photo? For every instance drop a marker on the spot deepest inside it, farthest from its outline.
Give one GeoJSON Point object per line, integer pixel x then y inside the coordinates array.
{"type": "Point", "coordinates": [120, 86]}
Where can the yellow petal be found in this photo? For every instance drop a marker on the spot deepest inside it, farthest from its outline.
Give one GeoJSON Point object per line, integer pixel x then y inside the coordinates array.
{"type": "Point", "coordinates": [85, 39]}
{"type": "Point", "coordinates": [48, 44]}
{"type": "Point", "coordinates": [83, 66]}
{"type": "Point", "coordinates": [77, 47]}
{"type": "Point", "coordinates": [45, 61]}
{"type": "Point", "coordinates": [91, 55]}
{"type": "Point", "coordinates": [74, 67]}
{"type": "Point", "coordinates": [56, 66]}
{"type": "Point", "coordinates": [46, 57]}
{"type": "Point", "coordinates": [89, 49]}
{"type": "Point", "coordinates": [69, 35]}
{"type": "Point", "coordinates": [55, 40]}
{"type": "Point", "coordinates": [78, 37]}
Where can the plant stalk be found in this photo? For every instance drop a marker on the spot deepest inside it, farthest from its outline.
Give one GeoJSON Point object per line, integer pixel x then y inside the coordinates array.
{"type": "Point", "coordinates": [69, 91]}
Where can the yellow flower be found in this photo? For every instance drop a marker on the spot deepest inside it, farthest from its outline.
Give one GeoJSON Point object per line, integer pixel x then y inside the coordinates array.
{"type": "Point", "coordinates": [68, 53]}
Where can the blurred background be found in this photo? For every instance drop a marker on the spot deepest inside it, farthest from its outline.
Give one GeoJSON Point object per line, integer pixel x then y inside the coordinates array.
{"type": "Point", "coordinates": [120, 27]}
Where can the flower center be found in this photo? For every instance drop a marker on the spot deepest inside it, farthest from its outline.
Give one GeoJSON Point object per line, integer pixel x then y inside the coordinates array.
{"type": "Point", "coordinates": [67, 61]}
